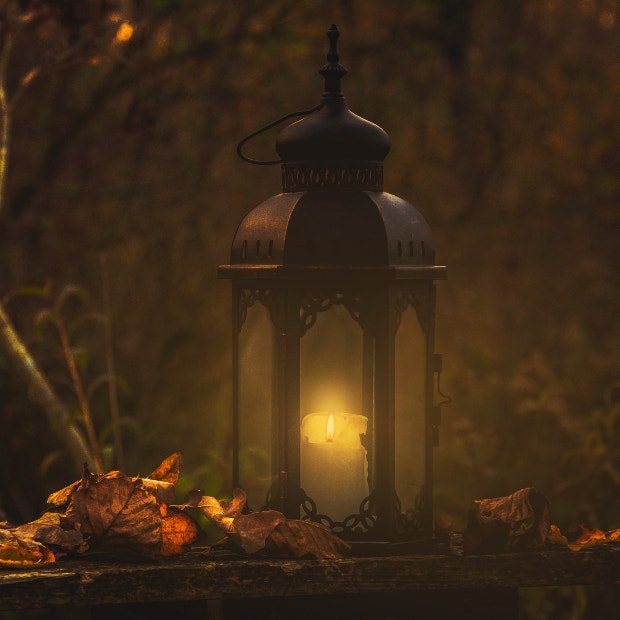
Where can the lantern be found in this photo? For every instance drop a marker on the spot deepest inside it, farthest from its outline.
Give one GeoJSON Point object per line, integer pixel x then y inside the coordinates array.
{"type": "Point", "coordinates": [333, 299]}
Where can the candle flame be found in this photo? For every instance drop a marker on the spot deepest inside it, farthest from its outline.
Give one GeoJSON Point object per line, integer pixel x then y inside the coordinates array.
{"type": "Point", "coordinates": [329, 428]}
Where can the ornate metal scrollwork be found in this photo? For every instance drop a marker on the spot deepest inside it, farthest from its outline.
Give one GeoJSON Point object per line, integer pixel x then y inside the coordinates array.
{"type": "Point", "coordinates": [300, 177]}
{"type": "Point", "coordinates": [248, 297]}
{"type": "Point", "coordinates": [351, 526]}
{"type": "Point", "coordinates": [420, 301]}
{"type": "Point", "coordinates": [362, 525]}
{"type": "Point", "coordinates": [313, 303]}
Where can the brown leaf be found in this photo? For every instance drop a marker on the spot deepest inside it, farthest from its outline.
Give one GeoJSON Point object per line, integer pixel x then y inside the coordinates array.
{"type": "Point", "coordinates": [519, 520]}
{"type": "Point", "coordinates": [251, 531]}
{"type": "Point", "coordinates": [117, 513]}
{"type": "Point", "coordinates": [160, 483]}
{"type": "Point", "coordinates": [61, 498]}
{"type": "Point", "coordinates": [268, 529]}
{"type": "Point", "coordinates": [21, 551]}
{"type": "Point", "coordinates": [556, 537]}
{"type": "Point", "coordinates": [163, 492]}
{"type": "Point", "coordinates": [218, 510]}
{"type": "Point", "coordinates": [169, 470]}
{"type": "Point", "coordinates": [295, 538]}
{"type": "Point", "coordinates": [248, 531]}
{"type": "Point", "coordinates": [178, 531]}
{"type": "Point", "coordinates": [54, 529]}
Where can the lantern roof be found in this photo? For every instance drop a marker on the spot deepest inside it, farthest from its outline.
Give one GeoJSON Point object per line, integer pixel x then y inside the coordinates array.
{"type": "Point", "coordinates": [332, 131]}
{"type": "Point", "coordinates": [333, 219]}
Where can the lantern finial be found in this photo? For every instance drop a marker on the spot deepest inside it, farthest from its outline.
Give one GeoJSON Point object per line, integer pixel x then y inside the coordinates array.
{"type": "Point", "coordinates": [333, 71]}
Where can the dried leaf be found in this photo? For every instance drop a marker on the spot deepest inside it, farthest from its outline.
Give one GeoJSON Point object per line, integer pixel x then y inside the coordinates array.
{"type": "Point", "coordinates": [556, 537]}
{"type": "Point", "coordinates": [178, 531]}
{"type": "Point", "coordinates": [54, 529]}
{"type": "Point", "coordinates": [295, 538]}
{"type": "Point", "coordinates": [251, 531]}
{"type": "Point", "coordinates": [163, 492]}
{"type": "Point", "coordinates": [169, 470]}
{"type": "Point", "coordinates": [117, 513]}
{"type": "Point", "coordinates": [21, 551]}
{"type": "Point", "coordinates": [519, 520]}
{"type": "Point", "coordinates": [268, 529]}
{"type": "Point", "coordinates": [61, 498]}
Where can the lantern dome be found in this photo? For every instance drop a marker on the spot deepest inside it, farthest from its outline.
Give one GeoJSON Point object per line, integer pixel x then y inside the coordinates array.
{"type": "Point", "coordinates": [333, 212]}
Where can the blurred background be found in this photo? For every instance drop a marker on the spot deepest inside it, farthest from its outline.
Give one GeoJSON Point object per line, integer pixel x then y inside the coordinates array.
{"type": "Point", "coordinates": [123, 181]}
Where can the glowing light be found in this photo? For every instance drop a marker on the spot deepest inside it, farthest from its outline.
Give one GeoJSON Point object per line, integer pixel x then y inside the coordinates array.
{"type": "Point", "coordinates": [329, 428]}
{"type": "Point", "coordinates": [125, 32]}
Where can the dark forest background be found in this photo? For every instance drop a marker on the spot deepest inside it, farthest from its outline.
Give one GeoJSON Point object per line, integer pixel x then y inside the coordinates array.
{"type": "Point", "coordinates": [504, 118]}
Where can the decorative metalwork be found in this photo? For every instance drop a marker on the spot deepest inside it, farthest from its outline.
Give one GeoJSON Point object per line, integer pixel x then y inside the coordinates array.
{"type": "Point", "coordinates": [297, 177]}
{"type": "Point", "coordinates": [362, 522]}
{"type": "Point", "coordinates": [248, 297]}
{"type": "Point", "coordinates": [420, 302]}
{"type": "Point", "coordinates": [313, 303]}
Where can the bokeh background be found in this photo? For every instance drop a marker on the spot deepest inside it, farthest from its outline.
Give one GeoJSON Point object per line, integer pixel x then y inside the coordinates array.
{"type": "Point", "coordinates": [504, 119]}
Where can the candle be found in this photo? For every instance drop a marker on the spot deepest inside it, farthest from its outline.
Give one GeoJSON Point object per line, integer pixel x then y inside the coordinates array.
{"type": "Point", "coordinates": [334, 467]}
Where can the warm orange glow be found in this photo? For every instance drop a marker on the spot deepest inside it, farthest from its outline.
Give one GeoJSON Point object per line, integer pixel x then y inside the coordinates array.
{"type": "Point", "coordinates": [589, 537]}
{"type": "Point", "coordinates": [329, 428]}
{"type": "Point", "coordinates": [124, 32]}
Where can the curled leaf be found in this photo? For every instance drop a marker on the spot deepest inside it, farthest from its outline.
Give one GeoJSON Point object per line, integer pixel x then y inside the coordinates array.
{"type": "Point", "coordinates": [517, 521]}
{"type": "Point", "coordinates": [295, 538]}
{"type": "Point", "coordinates": [54, 529]}
{"type": "Point", "coordinates": [178, 531]}
{"type": "Point", "coordinates": [268, 529]}
{"type": "Point", "coordinates": [587, 538]}
{"type": "Point", "coordinates": [22, 551]}
{"type": "Point", "coordinates": [61, 498]}
{"type": "Point", "coordinates": [117, 513]}
{"type": "Point", "coordinates": [169, 470]}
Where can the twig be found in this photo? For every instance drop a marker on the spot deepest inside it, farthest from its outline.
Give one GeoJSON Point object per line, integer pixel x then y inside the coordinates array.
{"type": "Point", "coordinates": [40, 392]}
{"type": "Point", "coordinates": [87, 418]}
{"type": "Point", "coordinates": [110, 366]}
{"type": "Point", "coordinates": [5, 114]}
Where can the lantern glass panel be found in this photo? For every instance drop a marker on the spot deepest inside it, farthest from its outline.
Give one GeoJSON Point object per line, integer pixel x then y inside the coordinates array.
{"type": "Point", "coordinates": [333, 454]}
{"type": "Point", "coordinates": [256, 404]}
{"type": "Point", "coordinates": [410, 410]}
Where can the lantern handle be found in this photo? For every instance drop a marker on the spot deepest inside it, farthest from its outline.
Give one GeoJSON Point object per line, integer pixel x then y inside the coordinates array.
{"type": "Point", "coordinates": [258, 162]}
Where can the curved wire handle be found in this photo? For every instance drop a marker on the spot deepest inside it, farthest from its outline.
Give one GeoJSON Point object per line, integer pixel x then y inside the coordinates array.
{"type": "Point", "coordinates": [271, 162]}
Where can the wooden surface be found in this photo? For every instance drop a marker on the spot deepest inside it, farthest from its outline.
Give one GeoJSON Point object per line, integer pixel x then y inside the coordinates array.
{"type": "Point", "coordinates": [197, 575]}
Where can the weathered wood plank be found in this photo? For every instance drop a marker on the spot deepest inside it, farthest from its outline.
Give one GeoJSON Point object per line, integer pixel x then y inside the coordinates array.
{"type": "Point", "coordinates": [198, 576]}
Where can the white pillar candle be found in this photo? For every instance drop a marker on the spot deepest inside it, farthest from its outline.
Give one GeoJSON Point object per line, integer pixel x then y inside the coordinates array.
{"type": "Point", "coordinates": [334, 466]}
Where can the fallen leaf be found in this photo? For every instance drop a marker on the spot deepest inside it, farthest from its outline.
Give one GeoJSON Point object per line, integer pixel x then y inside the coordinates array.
{"type": "Point", "coordinates": [163, 492]}
{"type": "Point", "coordinates": [61, 498]}
{"type": "Point", "coordinates": [251, 531]}
{"type": "Point", "coordinates": [54, 529]}
{"type": "Point", "coordinates": [267, 529]}
{"type": "Point", "coordinates": [22, 551]}
{"type": "Point", "coordinates": [169, 470]}
{"type": "Point", "coordinates": [160, 482]}
{"type": "Point", "coordinates": [517, 521]}
{"type": "Point", "coordinates": [117, 513]}
{"type": "Point", "coordinates": [556, 537]}
{"type": "Point", "coordinates": [294, 538]}
{"type": "Point", "coordinates": [178, 531]}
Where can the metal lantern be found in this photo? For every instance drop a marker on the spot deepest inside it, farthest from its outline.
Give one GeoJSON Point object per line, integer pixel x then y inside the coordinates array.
{"type": "Point", "coordinates": [333, 301]}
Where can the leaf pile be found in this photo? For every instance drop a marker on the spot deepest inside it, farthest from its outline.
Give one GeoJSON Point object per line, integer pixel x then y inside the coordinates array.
{"type": "Point", "coordinates": [135, 516]}
{"type": "Point", "coordinates": [108, 512]}
{"type": "Point", "coordinates": [268, 530]}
